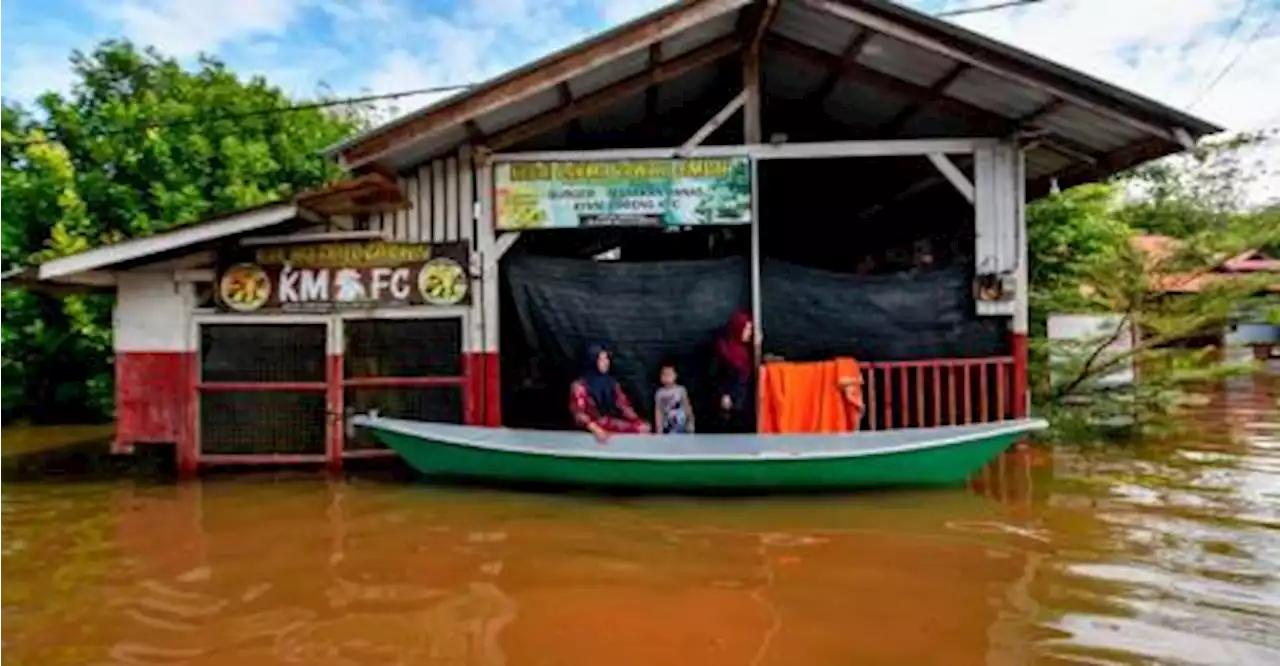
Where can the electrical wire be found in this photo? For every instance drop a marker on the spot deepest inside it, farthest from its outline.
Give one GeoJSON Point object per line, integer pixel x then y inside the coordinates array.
{"type": "Point", "coordinates": [986, 8]}
{"type": "Point", "coordinates": [1262, 27]}
{"type": "Point", "coordinates": [346, 101]}
{"type": "Point", "coordinates": [1231, 32]}
{"type": "Point", "coordinates": [51, 132]}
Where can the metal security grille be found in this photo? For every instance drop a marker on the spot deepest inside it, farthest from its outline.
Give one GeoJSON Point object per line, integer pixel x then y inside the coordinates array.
{"type": "Point", "coordinates": [404, 348]}
{"type": "Point", "coordinates": [403, 368]}
{"type": "Point", "coordinates": [262, 422]}
{"type": "Point", "coordinates": [422, 403]}
{"type": "Point", "coordinates": [262, 390]}
{"type": "Point", "coordinates": [262, 352]}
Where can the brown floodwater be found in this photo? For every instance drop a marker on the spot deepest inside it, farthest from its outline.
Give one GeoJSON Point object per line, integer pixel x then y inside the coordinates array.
{"type": "Point", "coordinates": [1163, 551]}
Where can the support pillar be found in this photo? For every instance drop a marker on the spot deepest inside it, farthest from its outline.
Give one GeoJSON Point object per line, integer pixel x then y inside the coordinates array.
{"type": "Point", "coordinates": [335, 371]}
{"type": "Point", "coordinates": [487, 247]}
{"type": "Point", "coordinates": [1019, 322]}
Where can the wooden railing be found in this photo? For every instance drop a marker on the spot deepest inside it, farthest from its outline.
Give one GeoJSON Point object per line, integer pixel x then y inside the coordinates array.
{"type": "Point", "coordinates": [936, 392]}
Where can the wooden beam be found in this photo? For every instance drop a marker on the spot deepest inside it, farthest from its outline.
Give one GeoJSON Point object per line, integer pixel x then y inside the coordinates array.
{"type": "Point", "coordinates": [988, 122]}
{"type": "Point", "coordinates": [953, 174]}
{"type": "Point", "coordinates": [898, 31]}
{"type": "Point", "coordinates": [503, 243]}
{"type": "Point", "coordinates": [848, 58]}
{"type": "Point", "coordinates": [937, 90]}
{"type": "Point", "coordinates": [1042, 112]}
{"type": "Point", "coordinates": [651, 93]}
{"type": "Point", "coordinates": [1126, 157]}
{"type": "Point", "coordinates": [768, 151]}
{"type": "Point", "coordinates": [536, 78]}
{"type": "Point", "coordinates": [767, 16]}
{"type": "Point", "coordinates": [751, 129]}
{"type": "Point", "coordinates": [566, 101]}
{"type": "Point", "coordinates": [612, 94]}
{"type": "Point", "coordinates": [716, 121]}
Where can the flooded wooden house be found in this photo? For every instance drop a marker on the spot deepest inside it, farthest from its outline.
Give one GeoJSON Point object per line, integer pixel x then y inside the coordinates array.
{"type": "Point", "coordinates": [853, 173]}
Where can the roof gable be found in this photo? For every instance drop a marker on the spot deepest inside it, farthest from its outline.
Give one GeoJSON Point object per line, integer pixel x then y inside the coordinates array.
{"type": "Point", "coordinates": [919, 66]}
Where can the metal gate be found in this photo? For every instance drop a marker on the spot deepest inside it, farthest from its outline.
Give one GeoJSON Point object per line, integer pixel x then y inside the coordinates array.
{"type": "Point", "coordinates": [405, 367]}
{"type": "Point", "coordinates": [262, 389]}
{"type": "Point", "coordinates": [276, 388]}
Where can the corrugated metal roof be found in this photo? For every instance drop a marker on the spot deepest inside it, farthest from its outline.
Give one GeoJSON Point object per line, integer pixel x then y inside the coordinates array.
{"type": "Point", "coordinates": [628, 65]}
{"type": "Point", "coordinates": [701, 35]}
{"type": "Point", "coordinates": [796, 22]}
{"type": "Point", "coordinates": [890, 89]}
{"type": "Point", "coordinates": [784, 80]}
{"type": "Point", "coordinates": [902, 61]}
{"type": "Point", "coordinates": [990, 92]}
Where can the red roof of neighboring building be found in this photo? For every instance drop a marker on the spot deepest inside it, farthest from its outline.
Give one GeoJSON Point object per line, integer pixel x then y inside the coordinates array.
{"type": "Point", "coordinates": [1158, 249]}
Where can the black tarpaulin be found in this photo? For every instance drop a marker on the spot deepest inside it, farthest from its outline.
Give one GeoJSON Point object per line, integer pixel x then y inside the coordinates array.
{"type": "Point", "coordinates": [646, 312]}
{"type": "Point", "coordinates": [811, 314]}
{"type": "Point", "coordinates": [654, 310]}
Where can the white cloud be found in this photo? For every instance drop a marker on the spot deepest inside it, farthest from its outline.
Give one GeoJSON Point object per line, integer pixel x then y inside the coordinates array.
{"type": "Point", "coordinates": [617, 11]}
{"type": "Point", "coordinates": [184, 28]}
{"type": "Point", "coordinates": [35, 70]}
{"type": "Point", "coordinates": [1167, 49]}
{"type": "Point", "coordinates": [482, 40]}
{"type": "Point", "coordinates": [1170, 50]}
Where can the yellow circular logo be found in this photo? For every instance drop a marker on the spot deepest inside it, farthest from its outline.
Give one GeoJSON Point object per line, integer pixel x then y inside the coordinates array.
{"type": "Point", "coordinates": [244, 287]}
{"type": "Point", "coordinates": [442, 281]}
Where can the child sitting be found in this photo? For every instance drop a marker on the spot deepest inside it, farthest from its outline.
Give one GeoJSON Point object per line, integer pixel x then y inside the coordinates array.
{"type": "Point", "coordinates": [672, 413]}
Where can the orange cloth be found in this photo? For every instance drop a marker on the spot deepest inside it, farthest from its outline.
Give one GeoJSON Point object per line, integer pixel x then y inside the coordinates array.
{"type": "Point", "coordinates": [820, 397]}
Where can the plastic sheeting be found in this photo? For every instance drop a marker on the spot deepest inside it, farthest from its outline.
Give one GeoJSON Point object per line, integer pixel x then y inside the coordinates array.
{"type": "Point", "coordinates": [811, 315]}
{"type": "Point", "coordinates": [645, 312]}
{"type": "Point", "coordinates": [651, 311]}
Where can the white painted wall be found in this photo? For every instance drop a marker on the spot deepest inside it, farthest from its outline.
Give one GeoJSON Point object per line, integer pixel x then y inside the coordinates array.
{"type": "Point", "coordinates": [1086, 327]}
{"type": "Point", "coordinates": [152, 313]}
{"type": "Point", "coordinates": [1000, 227]}
{"type": "Point", "coordinates": [1252, 333]}
{"type": "Point", "coordinates": [443, 194]}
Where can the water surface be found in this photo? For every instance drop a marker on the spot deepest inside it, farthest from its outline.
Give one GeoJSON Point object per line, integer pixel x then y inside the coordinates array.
{"type": "Point", "coordinates": [1165, 551]}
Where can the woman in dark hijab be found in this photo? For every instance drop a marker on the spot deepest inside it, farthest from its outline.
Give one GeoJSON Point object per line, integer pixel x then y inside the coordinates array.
{"type": "Point", "coordinates": [597, 401]}
{"type": "Point", "coordinates": [734, 370]}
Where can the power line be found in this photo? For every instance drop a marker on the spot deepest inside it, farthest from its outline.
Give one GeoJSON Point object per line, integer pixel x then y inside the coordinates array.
{"type": "Point", "coordinates": [1262, 27]}
{"type": "Point", "coordinates": [1231, 32]}
{"type": "Point", "coordinates": [346, 101]}
{"type": "Point", "coordinates": [986, 8]}
{"type": "Point", "coordinates": [51, 132]}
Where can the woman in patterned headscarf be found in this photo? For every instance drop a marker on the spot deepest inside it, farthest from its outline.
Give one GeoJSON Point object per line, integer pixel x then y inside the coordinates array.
{"type": "Point", "coordinates": [597, 401]}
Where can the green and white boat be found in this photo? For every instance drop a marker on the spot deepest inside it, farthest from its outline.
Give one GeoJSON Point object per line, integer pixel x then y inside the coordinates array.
{"type": "Point", "coordinates": [700, 462]}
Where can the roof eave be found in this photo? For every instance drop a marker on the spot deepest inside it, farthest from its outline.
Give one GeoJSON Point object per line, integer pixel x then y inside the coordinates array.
{"type": "Point", "coordinates": [494, 83]}
{"type": "Point", "coordinates": [1175, 117]}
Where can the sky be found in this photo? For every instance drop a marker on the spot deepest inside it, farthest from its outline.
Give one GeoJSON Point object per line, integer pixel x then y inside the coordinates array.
{"type": "Point", "coordinates": [1216, 58]}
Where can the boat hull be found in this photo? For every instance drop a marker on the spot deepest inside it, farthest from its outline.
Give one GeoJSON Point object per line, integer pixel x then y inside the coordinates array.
{"type": "Point", "coordinates": [948, 464]}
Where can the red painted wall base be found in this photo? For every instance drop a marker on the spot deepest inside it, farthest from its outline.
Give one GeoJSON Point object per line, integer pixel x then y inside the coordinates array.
{"type": "Point", "coordinates": [1018, 349]}
{"type": "Point", "coordinates": [153, 396]}
{"type": "Point", "coordinates": [473, 368]}
{"type": "Point", "coordinates": [492, 390]}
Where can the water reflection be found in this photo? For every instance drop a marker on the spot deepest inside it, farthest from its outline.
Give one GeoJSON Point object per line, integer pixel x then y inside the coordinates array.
{"type": "Point", "coordinates": [1163, 550]}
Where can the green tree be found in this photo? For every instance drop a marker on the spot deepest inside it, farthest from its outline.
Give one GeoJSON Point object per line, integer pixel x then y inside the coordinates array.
{"type": "Point", "coordinates": [138, 145]}
{"type": "Point", "coordinates": [1202, 190]}
{"type": "Point", "coordinates": [1082, 261]}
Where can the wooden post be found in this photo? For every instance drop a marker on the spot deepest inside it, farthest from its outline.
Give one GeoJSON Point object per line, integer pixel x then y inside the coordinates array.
{"type": "Point", "coordinates": [1019, 323]}
{"type": "Point", "coordinates": [751, 130]}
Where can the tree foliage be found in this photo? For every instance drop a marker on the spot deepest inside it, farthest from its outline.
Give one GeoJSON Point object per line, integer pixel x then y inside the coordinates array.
{"type": "Point", "coordinates": [138, 145]}
{"type": "Point", "coordinates": [1082, 261]}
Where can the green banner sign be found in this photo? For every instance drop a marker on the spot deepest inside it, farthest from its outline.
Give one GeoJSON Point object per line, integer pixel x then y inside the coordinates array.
{"type": "Point", "coordinates": [669, 192]}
